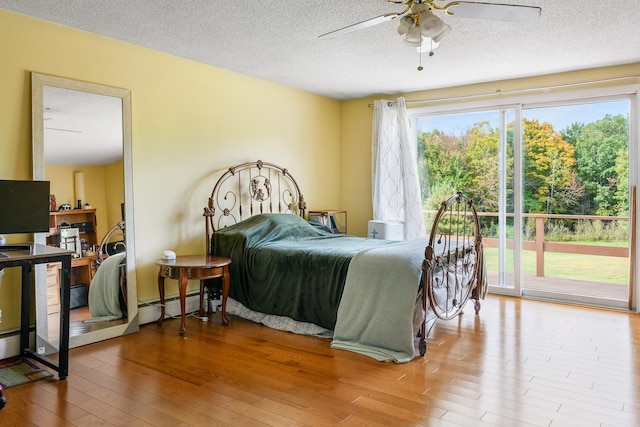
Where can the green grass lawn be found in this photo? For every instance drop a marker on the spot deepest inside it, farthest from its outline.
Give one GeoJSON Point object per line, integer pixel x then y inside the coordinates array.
{"type": "Point", "coordinates": [569, 266]}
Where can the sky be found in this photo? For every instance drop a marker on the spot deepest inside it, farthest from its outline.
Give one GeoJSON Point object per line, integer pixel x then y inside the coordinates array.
{"type": "Point", "coordinates": [560, 117]}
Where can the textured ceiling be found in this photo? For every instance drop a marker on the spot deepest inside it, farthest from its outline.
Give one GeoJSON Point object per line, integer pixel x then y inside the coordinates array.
{"type": "Point", "coordinates": [277, 40]}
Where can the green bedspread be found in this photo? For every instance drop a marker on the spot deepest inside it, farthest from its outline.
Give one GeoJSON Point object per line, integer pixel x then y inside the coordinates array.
{"type": "Point", "coordinates": [284, 265]}
{"type": "Point", "coordinates": [375, 317]}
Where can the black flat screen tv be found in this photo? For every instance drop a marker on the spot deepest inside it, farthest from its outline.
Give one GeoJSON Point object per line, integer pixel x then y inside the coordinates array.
{"type": "Point", "coordinates": [24, 207]}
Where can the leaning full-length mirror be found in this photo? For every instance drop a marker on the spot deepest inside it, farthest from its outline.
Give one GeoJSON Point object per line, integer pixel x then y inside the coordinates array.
{"type": "Point", "coordinates": [82, 145]}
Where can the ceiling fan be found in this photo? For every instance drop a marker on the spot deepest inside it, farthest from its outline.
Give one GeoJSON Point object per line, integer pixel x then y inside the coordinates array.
{"type": "Point", "coordinates": [419, 25]}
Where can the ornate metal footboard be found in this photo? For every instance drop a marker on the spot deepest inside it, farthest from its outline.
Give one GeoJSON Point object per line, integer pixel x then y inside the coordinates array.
{"type": "Point", "coordinates": [249, 189]}
{"type": "Point", "coordinates": [453, 262]}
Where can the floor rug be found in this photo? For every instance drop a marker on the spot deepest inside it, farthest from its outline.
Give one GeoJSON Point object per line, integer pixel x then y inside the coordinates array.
{"type": "Point", "coordinates": [16, 370]}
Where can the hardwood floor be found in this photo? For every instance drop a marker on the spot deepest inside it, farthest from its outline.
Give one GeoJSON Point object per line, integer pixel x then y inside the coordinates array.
{"type": "Point", "coordinates": [519, 363]}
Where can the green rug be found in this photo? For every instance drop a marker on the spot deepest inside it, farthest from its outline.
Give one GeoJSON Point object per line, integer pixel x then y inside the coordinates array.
{"type": "Point", "coordinates": [16, 371]}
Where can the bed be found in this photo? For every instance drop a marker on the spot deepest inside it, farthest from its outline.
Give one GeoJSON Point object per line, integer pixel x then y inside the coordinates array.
{"type": "Point", "coordinates": [371, 296]}
{"type": "Point", "coordinates": [108, 290]}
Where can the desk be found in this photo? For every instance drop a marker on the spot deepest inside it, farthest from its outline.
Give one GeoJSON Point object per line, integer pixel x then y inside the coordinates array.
{"type": "Point", "coordinates": [26, 256]}
{"type": "Point", "coordinates": [193, 267]}
{"type": "Point", "coordinates": [82, 271]}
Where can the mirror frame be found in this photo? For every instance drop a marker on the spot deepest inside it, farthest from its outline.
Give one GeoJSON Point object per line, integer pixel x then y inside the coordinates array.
{"type": "Point", "coordinates": [38, 82]}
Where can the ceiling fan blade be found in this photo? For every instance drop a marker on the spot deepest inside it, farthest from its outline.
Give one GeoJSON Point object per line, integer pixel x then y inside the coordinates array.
{"type": "Point", "coordinates": [361, 25]}
{"type": "Point", "coordinates": [494, 11]}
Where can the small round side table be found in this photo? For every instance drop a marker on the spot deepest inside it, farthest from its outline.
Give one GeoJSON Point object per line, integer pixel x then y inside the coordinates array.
{"type": "Point", "coordinates": [193, 267]}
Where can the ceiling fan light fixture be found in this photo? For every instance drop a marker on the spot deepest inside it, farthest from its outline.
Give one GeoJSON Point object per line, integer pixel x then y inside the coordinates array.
{"type": "Point", "coordinates": [406, 22]}
{"type": "Point", "coordinates": [430, 24]}
{"type": "Point", "coordinates": [445, 30]}
{"type": "Point", "coordinates": [419, 27]}
{"type": "Point", "coordinates": [413, 36]}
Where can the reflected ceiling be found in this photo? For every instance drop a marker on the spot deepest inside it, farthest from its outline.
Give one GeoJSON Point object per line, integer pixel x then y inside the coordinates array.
{"type": "Point", "coordinates": [81, 128]}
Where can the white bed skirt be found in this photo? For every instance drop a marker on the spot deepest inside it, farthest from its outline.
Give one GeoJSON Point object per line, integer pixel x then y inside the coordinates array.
{"type": "Point", "coordinates": [284, 323]}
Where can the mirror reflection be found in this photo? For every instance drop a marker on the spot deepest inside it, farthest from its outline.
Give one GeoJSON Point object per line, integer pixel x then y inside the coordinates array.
{"type": "Point", "coordinates": [82, 146]}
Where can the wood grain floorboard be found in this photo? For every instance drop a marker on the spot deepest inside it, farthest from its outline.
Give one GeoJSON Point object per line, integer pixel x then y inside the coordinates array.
{"type": "Point", "coordinates": [518, 363]}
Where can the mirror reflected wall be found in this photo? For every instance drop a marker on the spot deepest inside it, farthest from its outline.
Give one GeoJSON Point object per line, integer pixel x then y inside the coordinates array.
{"type": "Point", "coordinates": [82, 145]}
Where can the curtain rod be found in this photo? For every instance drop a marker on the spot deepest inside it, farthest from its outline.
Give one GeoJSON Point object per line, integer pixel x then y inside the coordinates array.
{"type": "Point", "coordinates": [514, 91]}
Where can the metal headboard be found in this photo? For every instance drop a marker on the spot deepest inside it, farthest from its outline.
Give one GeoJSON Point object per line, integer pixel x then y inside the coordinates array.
{"type": "Point", "coordinates": [250, 189]}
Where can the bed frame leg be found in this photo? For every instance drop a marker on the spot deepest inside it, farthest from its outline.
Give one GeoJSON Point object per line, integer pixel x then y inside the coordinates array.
{"type": "Point", "coordinates": [422, 346]}
{"type": "Point", "coordinates": [477, 305]}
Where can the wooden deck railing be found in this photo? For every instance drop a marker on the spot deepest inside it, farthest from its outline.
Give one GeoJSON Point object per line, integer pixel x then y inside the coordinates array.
{"type": "Point", "coordinates": [540, 246]}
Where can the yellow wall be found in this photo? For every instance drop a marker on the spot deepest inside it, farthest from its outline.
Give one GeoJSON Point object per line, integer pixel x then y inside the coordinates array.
{"type": "Point", "coordinates": [114, 189]}
{"type": "Point", "coordinates": [109, 212]}
{"type": "Point", "coordinates": [189, 122]}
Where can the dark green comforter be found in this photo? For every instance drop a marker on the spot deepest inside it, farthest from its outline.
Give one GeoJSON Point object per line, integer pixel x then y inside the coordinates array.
{"type": "Point", "coordinates": [284, 265]}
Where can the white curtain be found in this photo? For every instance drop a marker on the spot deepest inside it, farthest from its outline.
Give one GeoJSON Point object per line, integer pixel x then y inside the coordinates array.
{"type": "Point", "coordinates": [396, 187]}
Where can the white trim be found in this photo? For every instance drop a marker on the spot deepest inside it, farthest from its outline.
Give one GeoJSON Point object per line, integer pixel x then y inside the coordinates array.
{"type": "Point", "coordinates": [523, 91]}
{"type": "Point", "coordinates": [634, 153]}
{"type": "Point", "coordinates": [10, 345]}
{"type": "Point", "coordinates": [518, 203]}
{"type": "Point", "coordinates": [502, 196]}
{"type": "Point", "coordinates": [505, 102]}
{"type": "Point", "coordinates": [498, 290]}
{"type": "Point", "coordinates": [575, 299]}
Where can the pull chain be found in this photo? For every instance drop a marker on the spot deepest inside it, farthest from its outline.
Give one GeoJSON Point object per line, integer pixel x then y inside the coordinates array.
{"type": "Point", "coordinates": [420, 51]}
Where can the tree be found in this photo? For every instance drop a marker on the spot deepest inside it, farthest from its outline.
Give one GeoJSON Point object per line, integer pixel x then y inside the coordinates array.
{"type": "Point", "coordinates": [598, 148]}
{"type": "Point", "coordinates": [550, 184]}
{"type": "Point", "coordinates": [621, 196]}
{"type": "Point", "coordinates": [481, 161]}
{"type": "Point", "coordinates": [442, 162]}
{"type": "Point", "coordinates": [572, 133]}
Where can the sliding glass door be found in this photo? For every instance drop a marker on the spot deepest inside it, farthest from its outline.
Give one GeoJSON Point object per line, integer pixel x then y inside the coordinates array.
{"type": "Point", "coordinates": [473, 152]}
{"type": "Point", "coordinates": [576, 201]}
{"type": "Point", "coordinates": [551, 183]}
